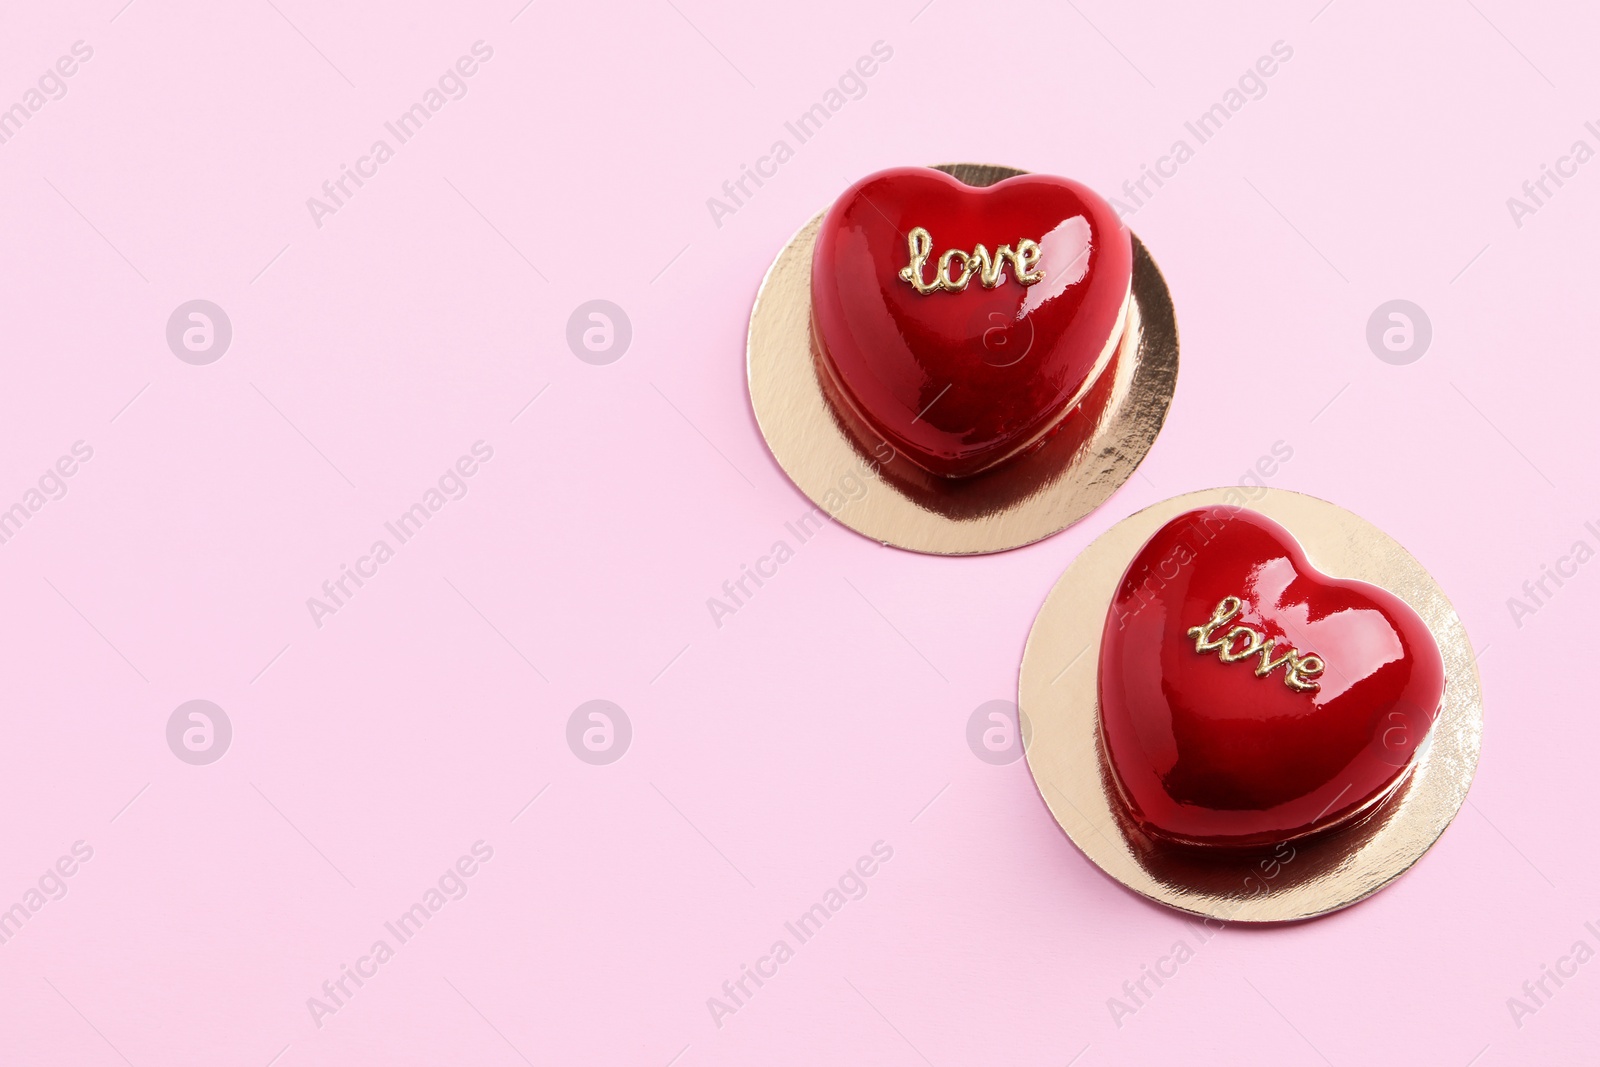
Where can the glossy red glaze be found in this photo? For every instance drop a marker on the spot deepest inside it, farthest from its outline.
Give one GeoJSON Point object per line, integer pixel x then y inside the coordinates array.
{"type": "Point", "coordinates": [1205, 751]}
{"type": "Point", "coordinates": [959, 381]}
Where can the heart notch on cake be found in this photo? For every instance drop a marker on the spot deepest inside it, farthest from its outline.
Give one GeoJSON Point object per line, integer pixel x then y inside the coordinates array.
{"type": "Point", "coordinates": [1245, 698]}
{"type": "Point", "coordinates": [963, 324]}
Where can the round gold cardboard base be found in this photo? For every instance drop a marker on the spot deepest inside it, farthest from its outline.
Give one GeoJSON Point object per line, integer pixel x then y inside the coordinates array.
{"type": "Point", "coordinates": [829, 455]}
{"type": "Point", "coordinates": [1300, 880]}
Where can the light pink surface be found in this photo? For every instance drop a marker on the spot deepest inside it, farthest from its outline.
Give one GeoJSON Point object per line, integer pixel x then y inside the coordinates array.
{"type": "Point", "coordinates": [830, 711]}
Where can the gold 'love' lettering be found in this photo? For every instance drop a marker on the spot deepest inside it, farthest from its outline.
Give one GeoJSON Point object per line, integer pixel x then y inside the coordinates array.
{"type": "Point", "coordinates": [988, 269]}
{"type": "Point", "coordinates": [1242, 642]}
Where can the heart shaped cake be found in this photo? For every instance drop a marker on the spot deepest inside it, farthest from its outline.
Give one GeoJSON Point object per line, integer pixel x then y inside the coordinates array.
{"type": "Point", "coordinates": [1246, 698]}
{"type": "Point", "coordinates": [961, 323]}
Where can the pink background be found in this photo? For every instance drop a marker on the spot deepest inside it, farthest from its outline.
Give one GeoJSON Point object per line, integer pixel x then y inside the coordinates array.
{"type": "Point", "coordinates": [770, 753]}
